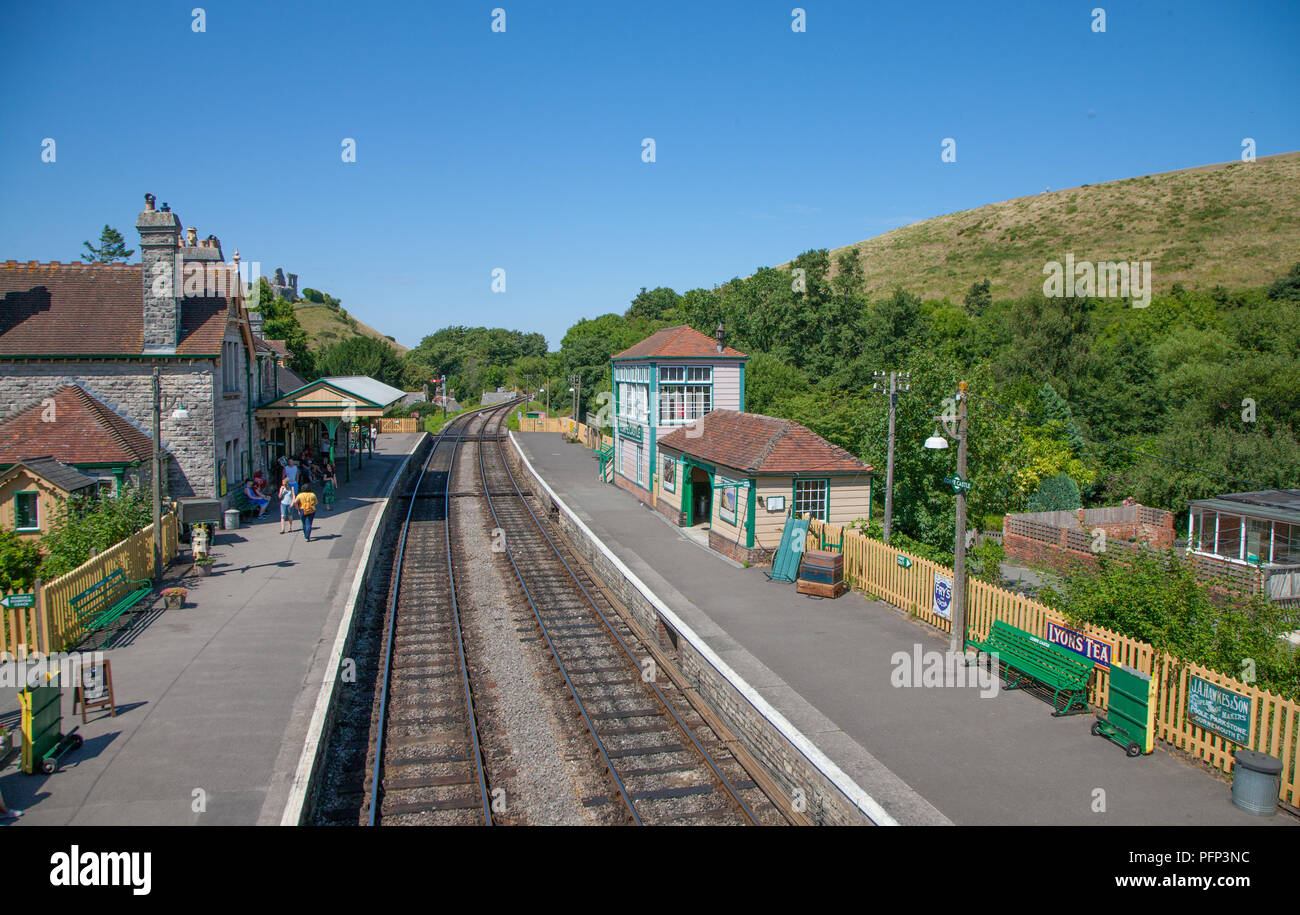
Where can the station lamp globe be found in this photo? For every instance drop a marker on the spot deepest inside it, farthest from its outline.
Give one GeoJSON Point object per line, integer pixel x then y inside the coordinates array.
{"type": "Point", "coordinates": [936, 442]}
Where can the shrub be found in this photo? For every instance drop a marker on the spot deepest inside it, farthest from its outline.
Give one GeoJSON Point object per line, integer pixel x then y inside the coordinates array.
{"type": "Point", "coordinates": [19, 559]}
{"type": "Point", "coordinates": [84, 528]}
{"type": "Point", "coordinates": [1055, 494]}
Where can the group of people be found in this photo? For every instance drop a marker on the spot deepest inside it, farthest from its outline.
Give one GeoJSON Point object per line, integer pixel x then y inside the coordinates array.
{"type": "Point", "coordinates": [300, 479]}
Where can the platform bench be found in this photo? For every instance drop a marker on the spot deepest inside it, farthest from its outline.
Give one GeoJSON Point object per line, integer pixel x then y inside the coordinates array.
{"type": "Point", "coordinates": [103, 603]}
{"type": "Point", "coordinates": [1027, 657]}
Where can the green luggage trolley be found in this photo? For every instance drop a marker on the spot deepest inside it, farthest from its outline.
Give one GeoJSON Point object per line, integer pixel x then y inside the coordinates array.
{"type": "Point", "coordinates": [1130, 721]}
{"type": "Point", "coordinates": [44, 742]}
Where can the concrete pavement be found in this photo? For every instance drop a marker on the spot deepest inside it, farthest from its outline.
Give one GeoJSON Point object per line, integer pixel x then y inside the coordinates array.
{"type": "Point", "coordinates": [827, 665]}
{"type": "Point", "coordinates": [214, 700]}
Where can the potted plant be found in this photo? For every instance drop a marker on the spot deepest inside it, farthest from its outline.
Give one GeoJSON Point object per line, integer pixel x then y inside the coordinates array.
{"type": "Point", "coordinates": [203, 566]}
{"type": "Point", "coordinates": [174, 598]}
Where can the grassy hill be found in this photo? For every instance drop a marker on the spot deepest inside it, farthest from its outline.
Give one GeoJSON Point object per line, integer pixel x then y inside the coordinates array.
{"type": "Point", "coordinates": [1235, 223]}
{"type": "Point", "coordinates": [325, 326]}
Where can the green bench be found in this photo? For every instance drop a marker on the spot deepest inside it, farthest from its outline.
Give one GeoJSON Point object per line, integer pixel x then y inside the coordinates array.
{"type": "Point", "coordinates": [103, 603]}
{"type": "Point", "coordinates": [1026, 656]}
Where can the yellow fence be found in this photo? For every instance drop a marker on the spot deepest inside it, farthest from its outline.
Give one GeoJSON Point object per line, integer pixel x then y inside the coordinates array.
{"type": "Point", "coordinates": [399, 424]}
{"type": "Point", "coordinates": [872, 566]}
{"type": "Point", "coordinates": [54, 627]}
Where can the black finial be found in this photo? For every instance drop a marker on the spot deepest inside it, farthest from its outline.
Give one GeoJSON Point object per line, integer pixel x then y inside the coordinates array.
{"type": "Point", "coordinates": [166, 208]}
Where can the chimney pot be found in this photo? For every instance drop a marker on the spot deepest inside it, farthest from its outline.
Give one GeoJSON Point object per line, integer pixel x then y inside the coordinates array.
{"type": "Point", "coordinates": [191, 236]}
{"type": "Point", "coordinates": [148, 202]}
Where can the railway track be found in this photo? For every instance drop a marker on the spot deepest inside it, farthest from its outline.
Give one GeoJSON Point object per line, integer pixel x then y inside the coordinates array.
{"type": "Point", "coordinates": [663, 761]}
{"type": "Point", "coordinates": [427, 766]}
{"type": "Point", "coordinates": [411, 748]}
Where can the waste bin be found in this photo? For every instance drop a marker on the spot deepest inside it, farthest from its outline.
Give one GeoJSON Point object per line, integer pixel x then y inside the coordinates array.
{"type": "Point", "coordinates": [1256, 781]}
{"type": "Point", "coordinates": [232, 519]}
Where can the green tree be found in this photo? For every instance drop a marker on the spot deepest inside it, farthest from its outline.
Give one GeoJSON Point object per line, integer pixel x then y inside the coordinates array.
{"type": "Point", "coordinates": [362, 356]}
{"type": "Point", "coordinates": [978, 298]}
{"type": "Point", "coordinates": [111, 249]}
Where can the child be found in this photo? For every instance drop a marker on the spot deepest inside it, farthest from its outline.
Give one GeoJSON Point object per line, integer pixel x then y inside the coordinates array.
{"type": "Point", "coordinates": [286, 506]}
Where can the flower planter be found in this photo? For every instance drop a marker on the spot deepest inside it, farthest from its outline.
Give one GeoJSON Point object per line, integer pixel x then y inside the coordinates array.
{"type": "Point", "coordinates": [202, 569]}
{"type": "Point", "coordinates": [174, 603]}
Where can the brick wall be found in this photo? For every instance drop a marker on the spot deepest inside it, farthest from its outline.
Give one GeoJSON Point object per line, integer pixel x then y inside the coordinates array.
{"type": "Point", "coordinates": [728, 547]}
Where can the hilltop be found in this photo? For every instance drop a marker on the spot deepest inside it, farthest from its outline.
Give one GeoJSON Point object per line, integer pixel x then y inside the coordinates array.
{"type": "Point", "coordinates": [325, 325]}
{"type": "Point", "coordinates": [1235, 224]}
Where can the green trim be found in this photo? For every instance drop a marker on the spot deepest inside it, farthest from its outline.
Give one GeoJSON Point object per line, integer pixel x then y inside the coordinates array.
{"type": "Point", "coordinates": [103, 356]}
{"type": "Point", "coordinates": [120, 477]}
{"type": "Point", "coordinates": [653, 360]}
{"type": "Point", "coordinates": [750, 510]}
{"type": "Point", "coordinates": [36, 511]}
{"type": "Point", "coordinates": [742, 391]}
{"type": "Point", "coordinates": [652, 405]}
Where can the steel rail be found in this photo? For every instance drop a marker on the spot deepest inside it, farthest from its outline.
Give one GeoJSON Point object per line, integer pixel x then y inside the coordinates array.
{"type": "Point", "coordinates": [390, 639]}
{"type": "Point", "coordinates": [681, 725]}
{"type": "Point", "coordinates": [573, 691]}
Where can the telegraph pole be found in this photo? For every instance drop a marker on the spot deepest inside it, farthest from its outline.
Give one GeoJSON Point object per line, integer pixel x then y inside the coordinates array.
{"type": "Point", "coordinates": [959, 548]}
{"type": "Point", "coordinates": [898, 383]}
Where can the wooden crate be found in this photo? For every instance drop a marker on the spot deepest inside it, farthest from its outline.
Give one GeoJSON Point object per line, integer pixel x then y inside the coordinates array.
{"type": "Point", "coordinates": [817, 589]}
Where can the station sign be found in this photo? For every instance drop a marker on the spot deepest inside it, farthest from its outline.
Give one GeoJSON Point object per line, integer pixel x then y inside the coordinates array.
{"type": "Point", "coordinates": [18, 601]}
{"type": "Point", "coordinates": [942, 606]}
{"type": "Point", "coordinates": [957, 483]}
{"type": "Point", "coordinates": [904, 561]}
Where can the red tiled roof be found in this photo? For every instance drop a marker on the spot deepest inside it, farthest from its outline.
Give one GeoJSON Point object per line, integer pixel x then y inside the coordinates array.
{"type": "Point", "coordinates": [59, 309]}
{"type": "Point", "coordinates": [279, 346]}
{"type": "Point", "coordinates": [83, 431]}
{"type": "Point", "coordinates": [761, 444]}
{"type": "Point", "coordinates": [680, 342]}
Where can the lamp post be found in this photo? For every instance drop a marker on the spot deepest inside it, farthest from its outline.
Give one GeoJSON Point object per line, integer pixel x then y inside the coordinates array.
{"type": "Point", "coordinates": [897, 383]}
{"type": "Point", "coordinates": [156, 464]}
{"type": "Point", "coordinates": [960, 485]}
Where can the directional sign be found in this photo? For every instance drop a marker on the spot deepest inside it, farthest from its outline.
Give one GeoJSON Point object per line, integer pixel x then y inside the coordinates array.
{"type": "Point", "coordinates": [904, 561]}
{"type": "Point", "coordinates": [18, 601]}
{"type": "Point", "coordinates": [957, 483]}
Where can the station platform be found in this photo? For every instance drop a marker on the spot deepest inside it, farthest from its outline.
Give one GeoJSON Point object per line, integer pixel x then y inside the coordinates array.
{"type": "Point", "coordinates": [927, 755]}
{"type": "Point", "coordinates": [214, 700]}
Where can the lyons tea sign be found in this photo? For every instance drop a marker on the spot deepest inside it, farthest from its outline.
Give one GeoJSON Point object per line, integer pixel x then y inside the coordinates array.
{"type": "Point", "coordinates": [1093, 649]}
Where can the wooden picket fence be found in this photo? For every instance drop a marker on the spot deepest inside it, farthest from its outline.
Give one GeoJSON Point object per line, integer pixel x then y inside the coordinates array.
{"type": "Point", "coordinates": [588, 435]}
{"type": "Point", "coordinates": [872, 566]}
{"type": "Point", "coordinates": [398, 424]}
{"type": "Point", "coordinates": [51, 625]}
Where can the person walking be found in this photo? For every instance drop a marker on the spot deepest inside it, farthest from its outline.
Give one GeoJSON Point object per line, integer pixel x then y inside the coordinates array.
{"type": "Point", "coordinates": [287, 495]}
{"type": "Point", "coordinates": [374, 436]}
{"type": "Point", "coordinates": [327, 477]}
{"type": "Point", "coordinates": [291, 475]}
{"type": "Point", "coordinates": [306, 503]}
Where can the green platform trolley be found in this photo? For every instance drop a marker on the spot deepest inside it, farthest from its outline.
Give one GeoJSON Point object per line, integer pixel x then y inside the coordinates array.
{"type": "Point", "coordinates": [1130, 720]}
{"type": "Point", "coordinates": [44, 742]}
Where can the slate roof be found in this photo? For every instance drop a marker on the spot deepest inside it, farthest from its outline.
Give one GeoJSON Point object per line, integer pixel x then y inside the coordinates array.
{"type": "Point", "coordinates": [83, 431]}
{"type": "Point", "coordinates": [761, 444]}
{"type": "Point", "coordinates": [69, 479]}
{"type": "Point", "coordinates": [680, 342]}
{"type": "Point", "coordinates": [58, 309]}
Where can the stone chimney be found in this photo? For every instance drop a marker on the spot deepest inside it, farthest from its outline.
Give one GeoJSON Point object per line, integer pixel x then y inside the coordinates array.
{"type": "Point", "coordinates": [160, 233]}
{"type": "Point", "coordinates": [191, 237]}
{"type": "Point", "coordinates": [255, 323]}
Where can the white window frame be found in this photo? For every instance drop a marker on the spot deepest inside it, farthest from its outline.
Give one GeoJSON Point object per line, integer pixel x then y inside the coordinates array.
{"type": "Point", "coordinates": [804, 505]}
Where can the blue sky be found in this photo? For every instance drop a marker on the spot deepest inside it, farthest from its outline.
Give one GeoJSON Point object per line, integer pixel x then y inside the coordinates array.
{"type": "Point", "coordinates": [522, 149]}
